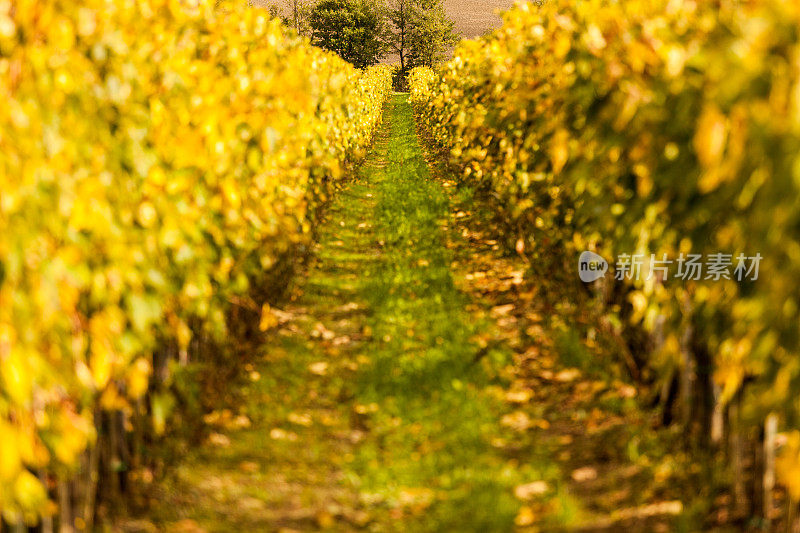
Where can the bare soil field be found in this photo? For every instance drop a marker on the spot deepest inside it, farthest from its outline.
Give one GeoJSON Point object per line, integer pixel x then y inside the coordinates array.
{"type": "Point", "coordinates": [476, 17]}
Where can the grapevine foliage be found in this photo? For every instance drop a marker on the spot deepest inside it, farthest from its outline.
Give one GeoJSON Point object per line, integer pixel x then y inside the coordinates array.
{"type": "Point", "coordinates": [157, 158]}
{"type": "Point", "coordinates": [651, 127]}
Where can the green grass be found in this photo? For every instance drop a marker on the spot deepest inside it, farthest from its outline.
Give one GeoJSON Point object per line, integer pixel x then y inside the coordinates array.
{"type": "Point", "coordinates": [403, 418]}
{"type": "Point", "coordinates": [435, 418]}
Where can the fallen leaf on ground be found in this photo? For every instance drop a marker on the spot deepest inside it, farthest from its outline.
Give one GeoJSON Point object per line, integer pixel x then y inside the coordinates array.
{"type": "Point", "coordinates": [528, 490]}
{"type": "Point", "coordinates": [586, 473]}
{"type": "Point", "coordinates": [674, 507]}
{"type": "Point", "coordinates": [416, 496]}
{"type": "Point", "coordinates": [570, 374]}
{"type": "Point", "coordinates": [300, 419]}
{"type": "Point", "coordinates": [240, 422]}
{"type": "Point", "coordinates": [502, 310]}
{"type": "Point", "coordinates": [217, 417]}
{"type": "Point", "coordinates": [218, 439]}
{"type": "Point", "coordinates": [319, 368]}
{"type": "Point", "coordinates": [339, 341]}
{"type": "Point", "coordinates": [363, 409]}
{"type": "Point", "coordinates": [517, 420]}
{"type": "Point", "coordinates": [321, 331]}
{"type": "Point", "coordinates": [518, 396]}
{"type": "Point", "coordinates": [282, 434]}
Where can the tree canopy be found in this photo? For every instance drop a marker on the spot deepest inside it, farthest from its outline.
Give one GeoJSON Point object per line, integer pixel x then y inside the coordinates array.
{"type": "Point", "coordinates": [351, 28]}
{"type": "Point", "coordinates": [417, 32]}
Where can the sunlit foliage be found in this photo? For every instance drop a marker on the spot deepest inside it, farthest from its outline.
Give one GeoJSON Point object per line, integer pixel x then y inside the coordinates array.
{"type": "Point", "coordinates": [156, 159]}
{"type": "Point", "coordinates": [661, 127]}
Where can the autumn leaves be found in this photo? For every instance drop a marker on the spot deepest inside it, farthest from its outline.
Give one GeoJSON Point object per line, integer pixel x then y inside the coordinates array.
{"type": "Point", "coordinates": [159, 160]}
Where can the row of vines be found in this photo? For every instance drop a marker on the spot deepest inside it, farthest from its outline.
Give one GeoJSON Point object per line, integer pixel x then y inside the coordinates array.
{"type": "Point", "coordinates": [658, 128]}
{"type": "Point", "coordinates": [160, 160]}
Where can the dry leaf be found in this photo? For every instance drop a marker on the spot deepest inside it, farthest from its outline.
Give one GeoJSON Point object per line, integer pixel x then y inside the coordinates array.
{"type": "Point", "coordinates": [218, 439]}
{"type": "Point", "coordinates": [300, 419]}
{"type": "Point", "coordinates": [586, 473]}
{"type": "Point", "coordinates": [570, 374]}
{"type": "Point", "coordinates": [319, 368]}
{"type": "Point", "coordinates": [517, 420]}
{"type": "Point", "coordinates": [518, 396]}
{"type": "Point", "coordinates": [528, 490]}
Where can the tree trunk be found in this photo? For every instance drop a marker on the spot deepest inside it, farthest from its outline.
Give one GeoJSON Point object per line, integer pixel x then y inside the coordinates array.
{"type": "Point", "coordinates": [792, 520]}
{"type": "Point", "coordinates": [768, 480]}
{"type": "Point", "coordinates": [64, 507]}
{"type": "Point", "coordinates": [90, 496]}
{"type": "Point", "coordinates": [47, 521]}
{"type": "Point", "coordinates": [736, 450]}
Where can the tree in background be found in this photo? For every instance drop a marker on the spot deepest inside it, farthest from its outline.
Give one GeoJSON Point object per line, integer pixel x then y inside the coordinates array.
{"type": "Point", "coordinates": [400, 14]}
{"type": "Point", "coordinates": [351, 28]}
{"type": "Point", "coordinates": [432, 33]}
{"type": "Point", "coordinates": [299, 17]}
{"type": "Point", "coordinates": [419, 33]}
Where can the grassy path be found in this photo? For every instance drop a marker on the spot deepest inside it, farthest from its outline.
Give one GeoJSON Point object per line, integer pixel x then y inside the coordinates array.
{"type": "Point", "coordinates": [368, 407]}
{"type": "Point", "coordinates": [411, 385]}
